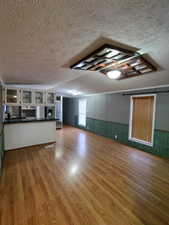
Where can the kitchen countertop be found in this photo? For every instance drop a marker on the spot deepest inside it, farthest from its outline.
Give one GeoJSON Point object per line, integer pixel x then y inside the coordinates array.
{"type": "Point", "coordinates": [10, 121]}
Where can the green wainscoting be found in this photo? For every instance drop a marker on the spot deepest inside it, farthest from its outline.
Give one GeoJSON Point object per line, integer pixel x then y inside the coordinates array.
{"type": "Point", "coordinates": [110, 129]}
{"type": "Point", "coordinates": [1, 150]}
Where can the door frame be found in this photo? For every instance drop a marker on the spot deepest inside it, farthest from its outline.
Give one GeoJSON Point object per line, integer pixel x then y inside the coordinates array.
{"type": "Point", "coordinates": [130, 138]}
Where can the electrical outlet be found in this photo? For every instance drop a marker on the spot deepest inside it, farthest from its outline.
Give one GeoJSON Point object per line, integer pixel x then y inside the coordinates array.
{"type": "Point", "coordinates": [115, 136]}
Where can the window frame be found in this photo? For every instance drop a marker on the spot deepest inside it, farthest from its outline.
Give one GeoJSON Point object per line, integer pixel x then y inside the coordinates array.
{"type": "Point", "coordinates": [130, 138]}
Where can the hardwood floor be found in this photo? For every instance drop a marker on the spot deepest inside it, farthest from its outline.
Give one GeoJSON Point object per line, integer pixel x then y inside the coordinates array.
{"type": "Point", "coordinates": [84, 180]}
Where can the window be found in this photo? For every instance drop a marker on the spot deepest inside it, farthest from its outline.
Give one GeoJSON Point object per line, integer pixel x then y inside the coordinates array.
{"type": "Point", "coordinates": [142, 117]}
{"type": "Point", "coordinates": [82, 112]}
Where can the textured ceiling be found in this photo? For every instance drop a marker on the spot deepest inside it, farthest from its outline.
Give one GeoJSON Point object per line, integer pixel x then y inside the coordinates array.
{"type": "Point", "coordinates": [39, 39]}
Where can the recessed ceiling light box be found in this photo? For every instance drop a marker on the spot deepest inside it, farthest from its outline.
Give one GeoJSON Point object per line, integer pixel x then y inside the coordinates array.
{"type": "Point", "coordinates": [110, 58]}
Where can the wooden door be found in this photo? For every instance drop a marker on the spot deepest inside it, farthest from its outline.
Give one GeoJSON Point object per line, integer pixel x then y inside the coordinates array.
{"type": "Point", "coordinates": [142, 118]}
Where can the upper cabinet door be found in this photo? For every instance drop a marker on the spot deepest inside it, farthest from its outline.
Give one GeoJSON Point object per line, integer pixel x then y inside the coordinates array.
{"type": "Point", "coordinates": [27, 97]}
{"type": "Point", "coordinates": [50, 98]}
{"type": "Point", "coordinates": [39, 97]}
{"type": "Point", "coordinates": [12, 96]}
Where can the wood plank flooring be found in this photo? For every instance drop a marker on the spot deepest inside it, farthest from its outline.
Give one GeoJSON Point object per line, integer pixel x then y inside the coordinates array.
{"type": "Point", "coordinates": [84, 179]}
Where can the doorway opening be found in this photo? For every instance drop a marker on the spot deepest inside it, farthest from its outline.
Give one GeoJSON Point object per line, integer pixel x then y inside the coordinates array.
{"type": "Point", "coordinates": [82, 112]}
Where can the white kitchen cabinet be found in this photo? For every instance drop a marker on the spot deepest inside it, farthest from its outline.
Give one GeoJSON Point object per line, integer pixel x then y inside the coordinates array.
{"type": "Point", "coordinates": [12, 96]}
{"type": "Point", "coordinates": [27, 97]}
{"type": "Point", "coordinates": [50, 98]}
{"type": "Point", "coordinates": [39, 97]}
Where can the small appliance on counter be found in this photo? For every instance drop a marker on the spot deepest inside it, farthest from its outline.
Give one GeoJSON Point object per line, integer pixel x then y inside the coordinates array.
{"type": "Point", "coordinates": [29, 112]}
{"type": "Point", "coordinates": [12, 112]}
{"type": "Point", "coordinates": [49, 112]}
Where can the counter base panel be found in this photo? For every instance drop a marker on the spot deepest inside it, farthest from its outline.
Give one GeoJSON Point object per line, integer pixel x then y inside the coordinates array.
{"type": "Point", "coordinates": [28, 134]}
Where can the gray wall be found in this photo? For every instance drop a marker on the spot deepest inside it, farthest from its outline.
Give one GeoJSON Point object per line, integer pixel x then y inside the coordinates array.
{"type": "Point", "coordinates": [70, 110]}
{"type": "Point", "coordinates": [162, 112]}
{"type": "Point", "coordinates": [109, 107]}
{"type": "Point", "coordinates": [115, 108]}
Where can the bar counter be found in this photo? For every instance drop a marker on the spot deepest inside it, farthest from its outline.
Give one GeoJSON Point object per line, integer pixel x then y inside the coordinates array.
{"type": "Point", "coordinates": [20, 133]}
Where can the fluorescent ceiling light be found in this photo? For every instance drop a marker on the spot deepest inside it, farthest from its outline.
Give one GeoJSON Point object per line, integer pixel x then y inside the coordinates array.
{"type": "Point", "coordinates": [115, 74]}
{"type": "Point", "coordinates": [74, 92]}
